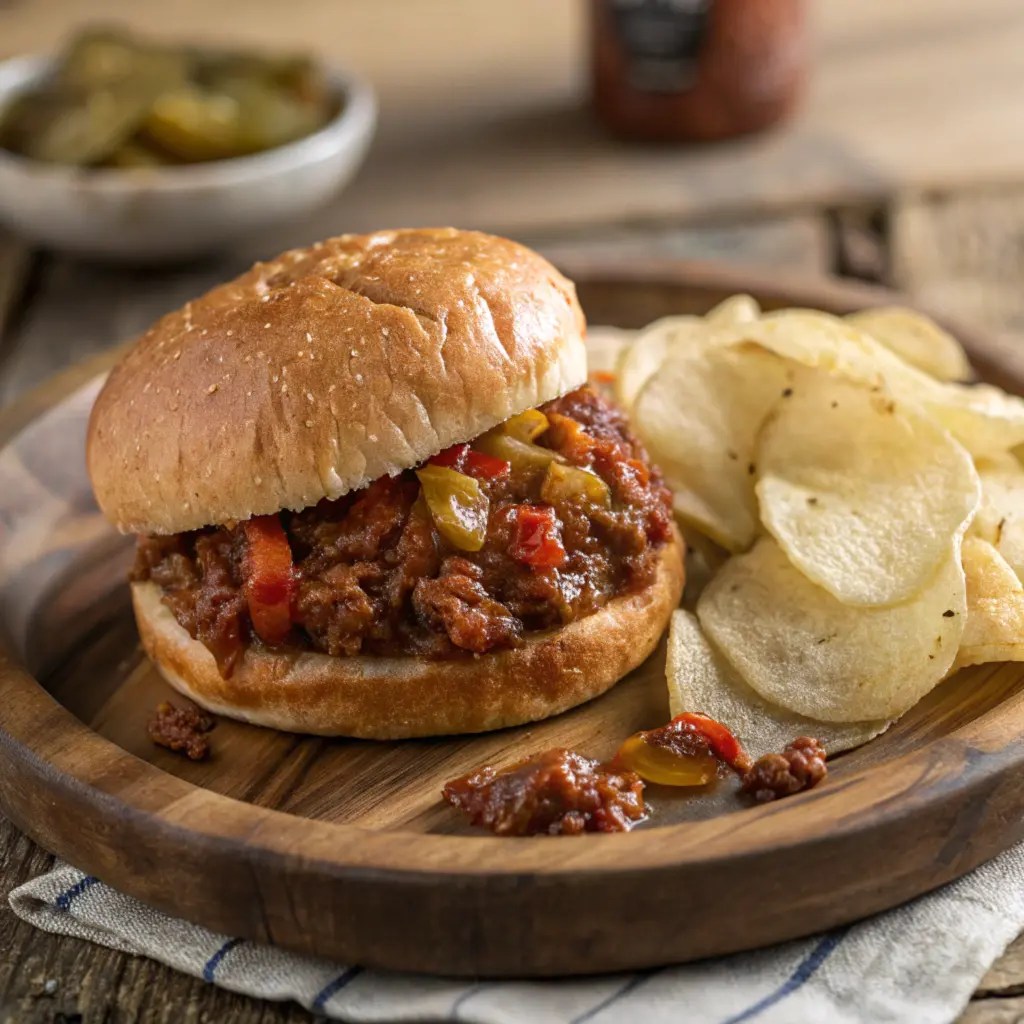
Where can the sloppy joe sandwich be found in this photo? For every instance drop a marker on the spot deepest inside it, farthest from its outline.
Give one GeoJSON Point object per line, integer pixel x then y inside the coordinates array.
{"type": "Point", "coordinates": [374, 496]}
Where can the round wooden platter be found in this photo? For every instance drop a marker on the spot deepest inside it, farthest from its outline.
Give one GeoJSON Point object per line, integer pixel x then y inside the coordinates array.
{"type": "Point", "coordinates": [344, 848]}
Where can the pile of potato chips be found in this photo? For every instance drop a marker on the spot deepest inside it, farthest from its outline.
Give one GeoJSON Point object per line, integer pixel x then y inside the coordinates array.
{"type": "Point", "coordinates": [855, 510]}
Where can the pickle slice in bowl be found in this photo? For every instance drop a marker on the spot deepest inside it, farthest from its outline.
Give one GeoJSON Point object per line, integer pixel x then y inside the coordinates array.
{"type": "Point", "coordinates": [83, 128]}
{"type": "Point", "coordinates": [194, 125]}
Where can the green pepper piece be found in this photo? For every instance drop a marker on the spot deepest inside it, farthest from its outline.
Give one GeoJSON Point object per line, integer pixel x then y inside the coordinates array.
{"type": "Point", "coordinates": [457, 504]}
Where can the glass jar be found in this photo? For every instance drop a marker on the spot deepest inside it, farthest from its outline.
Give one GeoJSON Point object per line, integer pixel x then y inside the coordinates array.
{"type": "Point", "coordinates": [696, 70]}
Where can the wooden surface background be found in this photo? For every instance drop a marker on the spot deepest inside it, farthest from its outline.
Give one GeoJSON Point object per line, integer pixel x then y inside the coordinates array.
{"type": "Point", "coordinates": [906, 166]}
{"type": "Point", "coordinates": [483, 121]}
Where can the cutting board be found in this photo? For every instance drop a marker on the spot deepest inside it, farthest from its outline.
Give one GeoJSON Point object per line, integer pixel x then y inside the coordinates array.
{"type": "Point", "coordinates": [344, 849]}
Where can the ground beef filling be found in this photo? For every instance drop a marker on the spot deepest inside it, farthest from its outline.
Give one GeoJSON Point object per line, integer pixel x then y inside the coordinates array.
{"type": "Point", "coordinates": [185, 730]}
{"type": "Point", "coordinates": [802, 765]}
{"type": "Point", "coordinates": [374, 575]}
{"type": "Point", "coordinates": [556, 793]}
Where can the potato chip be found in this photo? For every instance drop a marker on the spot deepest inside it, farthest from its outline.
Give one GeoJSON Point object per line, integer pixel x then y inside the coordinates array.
{"type": "Point", "coordinates": [1000, 462]}
{"type": "Point", "coordinates": [699, 416]}
{"type": "Point", "coordinates": [982, 418]}
{"type": "Point", "coordinates": [985, 420]}
{"type": "Point", "coordinates": [737, 309]}
{"type": "Point", "coordinates": [864, 494]}
{"type": "Point", "coordinates": [1000, 517]}
{"type": "Point", "coordinates": [987, 574]}
{"type": "Point", "coordinates": [701, 679]}
{"type": "Point", "coordinates": [713, 554]}
{"type": "Point", "coordinates": [825, 342]}
{"type": "Point", "coordinates": [605, 347]}
{"type": "Point", "coordinates": [644, 357]}
{"type": "Point", "coordinates": [821, 341]}
{"type": "Point", "coordinates": [995, 607]}
{"type": "Point", "coordinates": [799, 647]}
{"type": "Point", "coordinates": [916, 339]}
{"type": "Point", "coordinates": [703, 559]}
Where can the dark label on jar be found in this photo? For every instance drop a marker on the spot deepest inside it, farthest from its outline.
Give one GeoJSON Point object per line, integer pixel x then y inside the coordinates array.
{"type": "Point", "coordinates": [661, 41]}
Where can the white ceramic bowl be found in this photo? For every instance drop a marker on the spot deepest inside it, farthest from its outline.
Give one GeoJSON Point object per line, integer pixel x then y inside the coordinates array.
{"type": "Point", "coordinates": [148, 214]}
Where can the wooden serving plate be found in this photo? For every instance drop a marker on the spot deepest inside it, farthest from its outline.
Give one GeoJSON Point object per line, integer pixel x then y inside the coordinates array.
{"type": "Point", "coordinates": [344, 849]}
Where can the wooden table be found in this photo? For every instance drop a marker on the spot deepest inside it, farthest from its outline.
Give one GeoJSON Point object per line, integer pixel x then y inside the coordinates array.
{"type": "Point", "coordinates": [855, 186]}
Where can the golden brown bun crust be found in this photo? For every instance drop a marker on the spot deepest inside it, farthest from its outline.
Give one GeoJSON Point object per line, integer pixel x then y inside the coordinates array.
{"type": "Point", "coordinates": [396, 698]}
{"type": "Point", "coordinates": [320, 371]}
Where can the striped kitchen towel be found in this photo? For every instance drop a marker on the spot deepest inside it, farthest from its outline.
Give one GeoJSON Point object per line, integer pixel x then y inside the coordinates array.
{"type": "Point", "coordinates": [918, 963]}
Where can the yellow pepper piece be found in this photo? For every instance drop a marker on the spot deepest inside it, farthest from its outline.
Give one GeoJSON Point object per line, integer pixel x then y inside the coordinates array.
{"type": "Point", "coordinates": [527, 426]}
{"type": "Point", "coordinates": [571, 483]}
{"type": "Point", "coordinates": [664, 766]}
{"type": "Point", "coordinates": [457, 505]}
{"type": "Point", "coordinates": [522, 455]}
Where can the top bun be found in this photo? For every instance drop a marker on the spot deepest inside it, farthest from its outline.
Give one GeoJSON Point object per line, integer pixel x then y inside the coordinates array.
{"type": "Point", "coordinates": [326, 368]}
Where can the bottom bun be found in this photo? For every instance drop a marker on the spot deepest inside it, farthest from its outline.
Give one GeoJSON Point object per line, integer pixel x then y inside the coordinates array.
{"type": "Point", "coordinates": [395, 698]}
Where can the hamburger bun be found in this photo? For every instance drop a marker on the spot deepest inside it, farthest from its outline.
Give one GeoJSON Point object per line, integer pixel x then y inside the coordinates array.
{"type": "Point", "coordinates": [396, 698]}
{"type": "Point", "coordinates": [316, 373]}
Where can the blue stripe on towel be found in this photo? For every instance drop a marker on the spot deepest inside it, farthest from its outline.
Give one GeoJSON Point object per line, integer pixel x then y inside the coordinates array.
{"type": "Point", "coordinates": [210, 968]}
{"type": "Point", "coordinates": [65, 899]}
{"type": "Point", "coordinates": [333, 987]}
{"type": "Point", "coordinates": [470, 992]}
{"type": "Point", "coordinates": [804, 972]}
{"type": "Point", "coordinates": [614, 997]}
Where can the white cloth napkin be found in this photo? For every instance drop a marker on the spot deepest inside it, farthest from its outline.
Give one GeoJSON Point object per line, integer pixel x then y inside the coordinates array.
{"type": "Point", "coordinates": [918, 963]}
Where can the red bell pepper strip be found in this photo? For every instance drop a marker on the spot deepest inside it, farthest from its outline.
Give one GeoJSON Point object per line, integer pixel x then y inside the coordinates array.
{"type": "Point", "coordinates": [643, 474]}
{"type": "Point", "coordinates": [721, 740]}
{"type": "Point", "coordinates": [464, 459]}
{"type": "Point", "coordinates": [269, 578]}
{"type": "Point", "coordinates": [451, 458]}
{"type": "Point", "coordinates": [536, 541]}
{"type": "Point", "coordinates": [667, 755]}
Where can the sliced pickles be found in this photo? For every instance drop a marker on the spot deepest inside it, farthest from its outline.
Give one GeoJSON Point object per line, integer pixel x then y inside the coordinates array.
{"type": "Point", "coordinates": [521, 455]}
{"type": "Point", "coordinates": [82, 129]}
{"type": "Point", "coordinates": [193, 125]}
{"type": "Point", "coordinates": [526, 426]}
{"type": "Point", "coordinates": [116, 101]}
{"type": "Point", "coordinates": [565, 483]}
{"type": "Point", "coordinates": [457, 504]}
{"type": "Point", "coordinates": [100, 57]}
{"type": "Point", "coordinates": [513, 442]}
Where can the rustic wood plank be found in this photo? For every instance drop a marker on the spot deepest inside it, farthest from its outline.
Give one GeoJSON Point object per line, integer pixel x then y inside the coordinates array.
{"type": "Point", "coordinates": [15, 260]}
{"type": "Point", "coordinates": [964, 254]}
{"type": "Point", "coordinates": [993, 1011]}
{"type": "Point", "coordinates": [99, 984]}
{"type": "Point", "coordinates": [800, 243]}
{"type": "Point", "coordinates": [80, 309]}
{"type": "Point", "coordinates": [1006, 976]}
{"type": "Point", "coordinates": [484, 103]}
{"type": "Point", "coordinates": [861, 243]}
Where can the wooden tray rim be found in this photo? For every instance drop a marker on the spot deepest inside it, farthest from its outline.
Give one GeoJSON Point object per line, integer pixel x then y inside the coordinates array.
{"type": "Point", "coordinates": [42, 742]}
